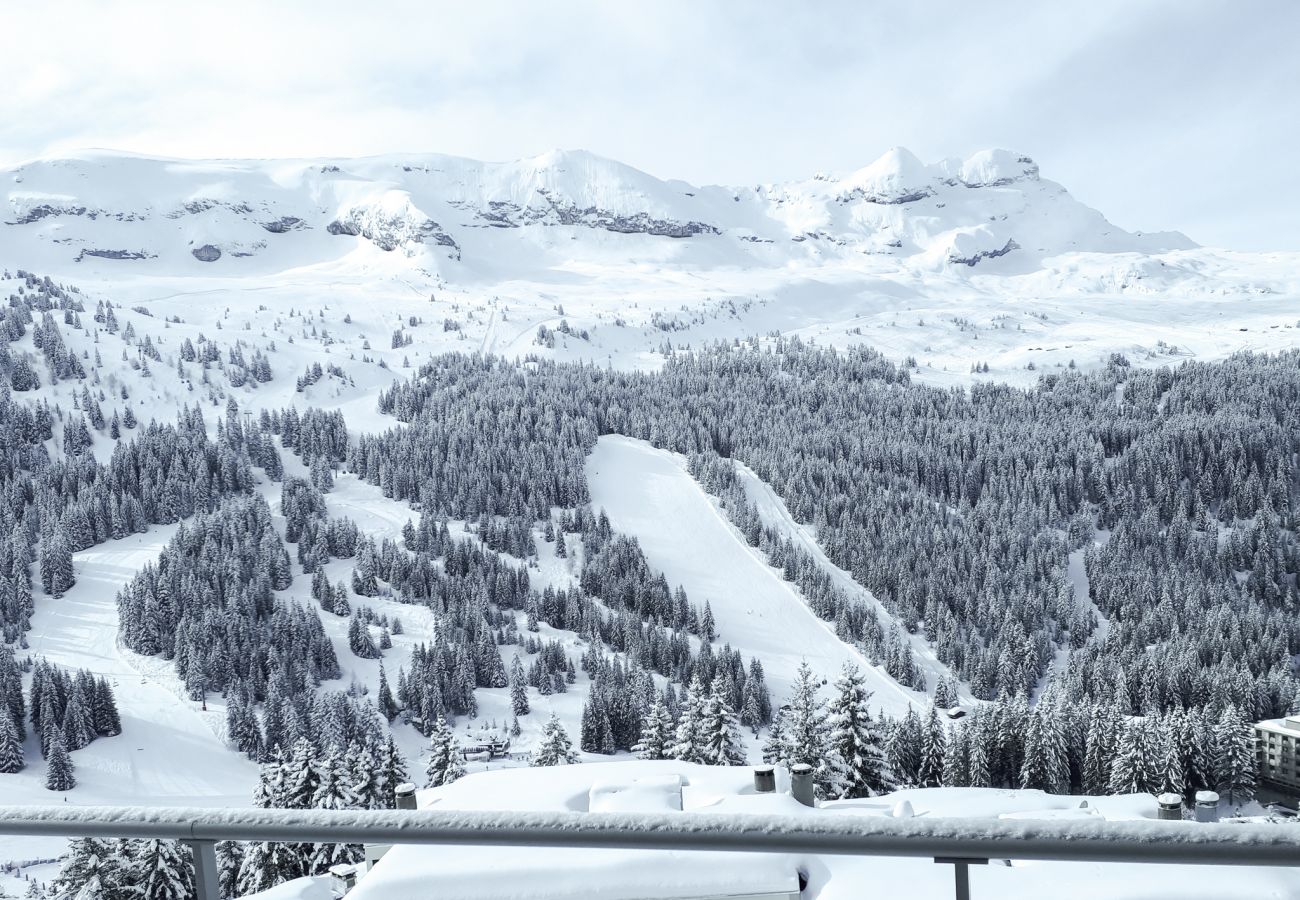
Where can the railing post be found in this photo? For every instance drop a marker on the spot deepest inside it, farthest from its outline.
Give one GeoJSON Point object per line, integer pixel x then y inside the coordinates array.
{"type": "Point", "coordinates": [206, 881]}
{"type": "Point", "coordinates": [961, 873]}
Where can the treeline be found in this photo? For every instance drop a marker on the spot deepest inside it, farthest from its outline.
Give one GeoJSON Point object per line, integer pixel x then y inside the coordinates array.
{"type": "Point", "coordinates": [1062, 749]}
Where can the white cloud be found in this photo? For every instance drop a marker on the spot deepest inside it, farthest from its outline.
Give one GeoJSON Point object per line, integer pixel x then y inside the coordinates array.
{"type": "Point", "coordinates": [1162, 114]}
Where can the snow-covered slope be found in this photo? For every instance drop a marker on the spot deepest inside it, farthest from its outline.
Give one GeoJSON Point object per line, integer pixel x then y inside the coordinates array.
{"type": "Point", "coordinates": [649, 494]}
{"type": "Point", "coordinates": [959, 264]}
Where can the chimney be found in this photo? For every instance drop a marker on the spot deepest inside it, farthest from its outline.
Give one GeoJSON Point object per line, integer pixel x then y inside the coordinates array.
{"type": "Point", "coordinates": [1207, 806]}
{"type": "Point", "coordinates": [801, 783]}
{"type": "Point", "coordinates": [1170, 807]}
{"type": "Point", "coordinates": [405, 795]}
{"type": "Point", "coordinates": [764, 779]}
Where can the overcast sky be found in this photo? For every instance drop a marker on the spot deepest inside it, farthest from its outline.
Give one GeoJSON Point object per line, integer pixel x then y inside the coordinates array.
{"type": "Point", "coordinates": [1163, 114]}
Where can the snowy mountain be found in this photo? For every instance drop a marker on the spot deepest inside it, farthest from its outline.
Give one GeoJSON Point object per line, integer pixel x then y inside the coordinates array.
{"type": "Point", "coordinates": [966, 267]}
{"type": "Point", "coordinates": [457, 215]}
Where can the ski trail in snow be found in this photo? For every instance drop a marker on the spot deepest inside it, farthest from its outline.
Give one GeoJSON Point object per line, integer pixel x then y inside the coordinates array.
{"type": "Point", "coordinates": [649, 494]}
{"type": "Point", "coordinates": [489, 333]}
{"type": "Point", "coordinates": [170, 752]}
{"type": "Point", "coordinates": [774, 514]}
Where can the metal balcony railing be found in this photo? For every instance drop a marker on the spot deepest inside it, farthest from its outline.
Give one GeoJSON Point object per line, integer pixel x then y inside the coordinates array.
{"type": "Point", "coordinates": [957, 842]}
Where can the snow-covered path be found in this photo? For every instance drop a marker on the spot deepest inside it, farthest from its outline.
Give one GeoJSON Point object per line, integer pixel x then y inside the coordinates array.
{"type": "Point", "coordinates": [649, 494]}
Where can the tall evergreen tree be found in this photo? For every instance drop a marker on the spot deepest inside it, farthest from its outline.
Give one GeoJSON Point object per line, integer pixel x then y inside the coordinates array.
{"type": "Point", "coordinates": [59, 771]}
{"type": "Point", "coordinates": [903, 749]}
{"type": "Point", "coordinates": [720, 737]}
{"type": "Point", "coordinates": [855, 738]}
{"type": "Point", "coordinates": [518, 688]}
{"type": "Point", "coordinates": [11, 752]}
{"type": "Point", "coordinates": [555, 748]}
{"type": "Point", "coordinates": [688, 741]}
{"type": "Point", "coordinates": [802, 734]}
{"type": "Point", "coordinates": [657, 732]}
{"type": "Point", "coordinates": [92, 869]}
{"type": "Point", "coordinates": [1235, 759]}
{"type": "Point", "coordinates": [163, 870]}
{"type": "Point", "coordinates": [445, 757]}
{"type": "Point", "coordinates": [1136, 767]}
{"type": "Point", "coordinates": [934, 740]}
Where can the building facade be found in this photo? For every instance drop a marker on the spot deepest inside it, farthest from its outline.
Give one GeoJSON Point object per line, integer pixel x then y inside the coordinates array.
{"type": "Point", "coordinates": [1276, 745]}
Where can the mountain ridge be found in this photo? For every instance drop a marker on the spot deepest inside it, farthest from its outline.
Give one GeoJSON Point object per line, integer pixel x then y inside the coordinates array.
{"type": "Point", "coordinates": [110, 205]}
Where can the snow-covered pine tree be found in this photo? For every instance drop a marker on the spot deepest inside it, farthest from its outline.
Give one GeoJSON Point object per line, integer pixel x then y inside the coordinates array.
{"type": "Point", "coordinates": [555, 748]}
{"type": "Point", "coordinates": [903, 749]}
{"type": "Point", "coordinates": [688, 740]}
{"type": "Point", "coordinates": [657, 732]}
{"type": "Point", "coordinates": [230, 854]}
{"type": "Point", "coordinates": [945, 692]}
{"type": "Point", "coordinates": [266, 864]}
{"type": "Point", "coordinates": [333, 782]}
{"type": "Point", "coordinates": [59, 771]}
{"type": "Point", "coordinates": [301, 776]}
{"type": "Point", "coordinates": [11, 751]}
{"type": "Point", "coordinates": [445, 758]}
{"type": "Point", "coordinates": [363, 776]}
{"type": "Point", "coordinates": [756, 694]}
{"type": "Point", "coordinates": [596, 736]}
{"type": "Point", "coordinates": [1034, 770]}
{"type": "Point", "coordinates": [956, 757]}
{"type": "Point", "coordinates": [92, 869]}
{"type": "Point", "coordinates": [1235, 758]}
{"type": "Point", "coordinates": [364, 583]}
{"type": "Point", "coordinates": [934, 739]}
{"type": "Point", "coordinates": [387, 705]}
{"type": "Point", "coordinates": [981, 746]}
{"type": "Point", "coordinates": [518, 688]}
{"type": "Point", "coordinates": [1136, 767]}
{"type": "Point", "coordinates": [1099, 752]}
{"type": "Point", "coordinates": [56, 563]}
{"type": "Point", "coordinates": [1172, 774]}
{"type": "Point", "coordinates": [162, 870]}
{"type": "Point", "coordinates": [804, 734]}
{"type": "Point", "coordinates": [106, 718]}
{"type": "Point", "coordinates": [392, 770]}
{"type": "Point", "coordinates": [855, 738]}
{"type": "Point", "coordinates": [359, 639]}
{"type": "Point", "coordinates": [720, 738]}
{"type": "Point", "coordinates": [333, 791]}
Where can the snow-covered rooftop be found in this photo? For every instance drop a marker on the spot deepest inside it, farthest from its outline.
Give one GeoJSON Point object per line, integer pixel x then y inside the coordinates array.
{"type": "Point", "coordinates": [522, 873]}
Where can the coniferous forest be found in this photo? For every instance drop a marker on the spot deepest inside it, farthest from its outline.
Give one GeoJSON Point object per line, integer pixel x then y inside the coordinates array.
{"type": "Point", "coordinates": [1107, 559]}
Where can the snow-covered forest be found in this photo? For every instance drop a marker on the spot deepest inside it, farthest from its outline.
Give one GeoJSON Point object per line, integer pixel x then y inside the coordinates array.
{"type": "Point", "coordinates": [1099, 570]}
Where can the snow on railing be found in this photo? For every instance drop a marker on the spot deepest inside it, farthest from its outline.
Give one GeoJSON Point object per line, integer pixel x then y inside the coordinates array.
{"type": "Point", "coordinates": [956, 841]}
